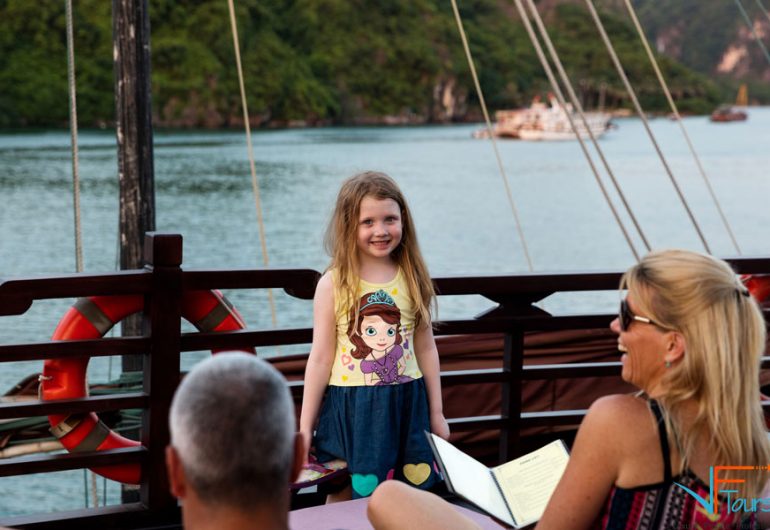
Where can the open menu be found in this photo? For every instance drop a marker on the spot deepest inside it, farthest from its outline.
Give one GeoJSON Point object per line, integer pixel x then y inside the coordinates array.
{"type": "Point", "coordinates": [516, 492]}
{"type": "Point", "coordinates": [314, 473]}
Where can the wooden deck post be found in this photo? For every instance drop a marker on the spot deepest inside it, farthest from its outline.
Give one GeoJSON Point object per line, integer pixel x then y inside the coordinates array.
{"type": "Point", "coordinates": [133, 118]}
{"type": "Point", "coordinates": [510, 402]}
{"type": "Point", "coordinates": [163, 254]}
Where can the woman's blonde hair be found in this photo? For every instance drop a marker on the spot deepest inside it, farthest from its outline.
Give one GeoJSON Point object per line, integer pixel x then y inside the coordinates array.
{"type": "Point", "coordinates": [701, 297]}
{"type": "Point", "coordinates": [340, 243]}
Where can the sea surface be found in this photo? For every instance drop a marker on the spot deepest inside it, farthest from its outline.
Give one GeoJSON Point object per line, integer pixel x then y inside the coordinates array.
{"type": "Point", "coordinates": [454, 188]}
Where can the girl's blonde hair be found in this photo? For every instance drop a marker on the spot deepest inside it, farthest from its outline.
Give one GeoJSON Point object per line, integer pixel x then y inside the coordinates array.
{"type": "Point", "coordinates": [340, 243]}
{"type": "Point", "coordinates": [700, 297]}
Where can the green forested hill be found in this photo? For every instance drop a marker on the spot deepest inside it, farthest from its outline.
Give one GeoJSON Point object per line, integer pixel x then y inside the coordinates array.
{"type": "Point", "coordinates": [711, 37]}
{"type": "Point", "coordinates": [317, 61]}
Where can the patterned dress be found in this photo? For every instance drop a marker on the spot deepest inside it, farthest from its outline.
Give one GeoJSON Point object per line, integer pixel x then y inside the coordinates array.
{"type": "Point", "coordinates": [375, 410]}
{"type": "Point", "coordinates": [665, 505]}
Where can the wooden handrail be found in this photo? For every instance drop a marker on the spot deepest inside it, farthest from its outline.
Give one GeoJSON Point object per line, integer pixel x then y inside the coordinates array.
{"type": "Point", "coordinates": [129, 400]}
{"type": "Point", "coordinates": [27, 465]}
{"type": "Point", "coordinates": [17, 295]}
{"type": "Point", "coordinates": [105, 347]}
{"type": "Point", "coordinates": [163, 281]}
{"type": "Point", "coordinates": [299, 283]}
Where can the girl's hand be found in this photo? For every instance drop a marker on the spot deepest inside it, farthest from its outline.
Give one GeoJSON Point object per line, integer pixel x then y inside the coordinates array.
{"type": "Point", "coordinates": [439, 425]}
{"type": "Point", "coordinates": [307, 439]}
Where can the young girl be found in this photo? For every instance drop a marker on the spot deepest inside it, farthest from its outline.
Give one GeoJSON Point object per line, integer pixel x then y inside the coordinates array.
{"type": "Point", "coordinates": [373, 344]}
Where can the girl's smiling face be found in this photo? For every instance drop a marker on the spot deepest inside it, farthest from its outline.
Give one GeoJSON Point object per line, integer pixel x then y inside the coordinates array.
{"type": "Point", "coordinates": [379, 227]}
{"type": "Point", "coordinates": [378, 334]}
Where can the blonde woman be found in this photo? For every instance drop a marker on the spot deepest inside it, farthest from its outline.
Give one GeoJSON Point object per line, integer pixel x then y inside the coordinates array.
{"type": "Point", "coordinates": [691, 339]}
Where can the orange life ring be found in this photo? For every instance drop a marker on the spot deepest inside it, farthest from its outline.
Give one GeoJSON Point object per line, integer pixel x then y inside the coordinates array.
{"type": "Point", "coordinates": [91, 318]}
{"type": "Point", "coordinates": [758, 285]}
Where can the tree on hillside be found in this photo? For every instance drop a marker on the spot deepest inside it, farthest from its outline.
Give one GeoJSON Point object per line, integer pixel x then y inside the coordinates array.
{"type": "Point", "coordinates": [316, 61]}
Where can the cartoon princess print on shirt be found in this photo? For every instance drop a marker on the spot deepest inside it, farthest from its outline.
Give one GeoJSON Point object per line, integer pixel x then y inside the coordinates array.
{"type": "Point", "coordinates": [377, 339]}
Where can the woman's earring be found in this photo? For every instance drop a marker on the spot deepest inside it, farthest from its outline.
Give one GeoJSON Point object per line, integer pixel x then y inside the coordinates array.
{"type": "Point", "coordinates": [668, 364]}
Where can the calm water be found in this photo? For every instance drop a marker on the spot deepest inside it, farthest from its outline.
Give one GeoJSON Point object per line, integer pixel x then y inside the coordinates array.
{"type": "Point", "coordinates": [451, 181]}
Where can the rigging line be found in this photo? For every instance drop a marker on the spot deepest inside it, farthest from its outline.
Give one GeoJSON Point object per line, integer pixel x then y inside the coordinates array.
{"type": "Point", "coordinates": [73, 108]}
{"type": "Point", "coordinates": [751, 28]}
{"type": "Point", "coordinates": [74, 137]}
{"type": "Point", "coordinates": [579, 108]}
{"type": "Point", "coordinates": [94, 490]}
{"type": "Point", "coordinates": [472, 67]}
{"type": "Point", "coordinates": [640, 112]}
{"type": "Point", "coordinates": [762, 7]}
{"type": "Point", "coordinates": [85, 486]}
{"type": "Point", "coordinates": [254, 181]}
{"type": "Point", "coordinates": [664, 86]}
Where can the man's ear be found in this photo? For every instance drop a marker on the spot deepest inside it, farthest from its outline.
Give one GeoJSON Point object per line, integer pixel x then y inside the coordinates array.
{"type": "Point", "coordinates": [676, 345]}
{"type": "Point", "coordinates": [299, 456]}
{"type": "Point", "coordinates": [176, 478]}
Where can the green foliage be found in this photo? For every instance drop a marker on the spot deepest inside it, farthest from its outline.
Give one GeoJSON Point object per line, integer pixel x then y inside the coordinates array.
{"type": "Point", "coordinates": [588, 62]}
{"type": "Point", "coordinates": [327, 61]}
{"type": "Point", "coordinates": [701, 42]}
{"type": "Point", "coordinates": [704, 38]}
{"type": "Point", "coordinates": [33, 63]}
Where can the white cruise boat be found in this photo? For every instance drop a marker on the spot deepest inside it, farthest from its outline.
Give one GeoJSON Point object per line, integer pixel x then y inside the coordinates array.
{"type": "Point", "coordinates": [540, 121]}
{"type": "Point", "coordinates": [552, 123]}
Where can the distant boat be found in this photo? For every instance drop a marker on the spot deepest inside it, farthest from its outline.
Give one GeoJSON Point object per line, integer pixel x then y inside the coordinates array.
{"type": "Point", "coordinates": [726, 113]}
{"type": "Point", "coordinates": [509, 122]}
{"type": "Point", "coordinates": [546, 122]}
{"type": "Point", "coordinates": [554, 124]}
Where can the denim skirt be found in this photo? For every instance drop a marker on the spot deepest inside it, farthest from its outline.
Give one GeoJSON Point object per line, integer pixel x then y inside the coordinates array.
{"type": "Point", "coordinates": [380, 432]}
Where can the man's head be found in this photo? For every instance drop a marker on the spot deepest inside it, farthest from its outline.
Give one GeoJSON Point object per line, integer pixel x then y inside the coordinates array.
{"type": "Point", "coordinates": [233, 439]}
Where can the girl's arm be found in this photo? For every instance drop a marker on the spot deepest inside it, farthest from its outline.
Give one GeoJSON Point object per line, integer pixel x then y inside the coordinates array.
{"type": "Point", "coordinates": [319, 362]}
{"type": "Point", "coordinates": [593, 468]}
{"type": "Point", "coordinates": [427, 358]}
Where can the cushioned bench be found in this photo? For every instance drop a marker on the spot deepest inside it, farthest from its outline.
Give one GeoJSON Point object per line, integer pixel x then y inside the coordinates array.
{"type": "Point", "coordinates": [351, 515]}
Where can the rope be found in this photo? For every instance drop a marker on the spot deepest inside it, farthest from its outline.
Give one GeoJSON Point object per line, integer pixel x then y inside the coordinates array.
{"type": "Point", "coordinates": [508, 193]}
{"type": "Point", "coordinates": [74, 138]}
{"type": "Point", "coordinates": [94, 490]}
{"type": "Point", "coordinates": [640, 112]}
{"type": "Point", "coordinates": [579, 108]}
{"type": "Point", "coordinates": [664, 86]}
{"type": "Point", "coordinates": [31, 448]}
{"type": "Point", "coordinates": [761, 7]}
{"type": "Point", "coordinates": [254, 181]}
{"type": "Point", "coordinates": [751, 28]}
{"type": "Point", "coordinates": [73, 107]}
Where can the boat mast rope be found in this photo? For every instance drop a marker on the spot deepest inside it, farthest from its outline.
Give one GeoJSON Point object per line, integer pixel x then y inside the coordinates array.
{"type": "Point", "coordinates": [640, 113]}
{"type": "Point", "coordinates": [73, 108]}
{"type": "Point", "coordinates": [751, 27]}
{"type": "Point", "coordinates": [483, 104]}
{"type": "Point", "coordinates": [579, 108]}
{"type": "Point", "coordinates": [74, 138]}
{"type": "Point", "coordinates": [672, 104]}
{"type": "Point", "coordinates": [252, 166]}
{"type": "Point", "coordinates": [762, 8]}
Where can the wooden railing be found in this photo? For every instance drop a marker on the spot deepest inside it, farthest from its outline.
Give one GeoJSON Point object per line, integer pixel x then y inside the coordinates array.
{"type": "Point", "coordinates": [161, 283]}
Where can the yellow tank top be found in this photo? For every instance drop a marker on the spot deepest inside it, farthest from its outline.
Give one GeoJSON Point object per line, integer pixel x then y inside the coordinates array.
{"type": "Point", "coordinates": [377, 349]}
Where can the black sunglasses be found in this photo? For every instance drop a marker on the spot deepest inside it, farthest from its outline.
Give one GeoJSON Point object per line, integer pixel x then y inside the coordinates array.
{"type": "Point", "coordinates": [626, 316]}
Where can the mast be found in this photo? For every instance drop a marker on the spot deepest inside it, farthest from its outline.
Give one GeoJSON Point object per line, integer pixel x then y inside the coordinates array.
{"type": "Point", "coordinates": [131, 52]}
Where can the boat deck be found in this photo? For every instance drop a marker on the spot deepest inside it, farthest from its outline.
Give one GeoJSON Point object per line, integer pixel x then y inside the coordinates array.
{"type": "Point", "coordinates": [500, 431]}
